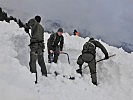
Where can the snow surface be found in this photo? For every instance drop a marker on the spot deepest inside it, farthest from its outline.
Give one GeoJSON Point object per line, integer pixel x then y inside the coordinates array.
{"type": "Point", "coordinates": [115, 76]}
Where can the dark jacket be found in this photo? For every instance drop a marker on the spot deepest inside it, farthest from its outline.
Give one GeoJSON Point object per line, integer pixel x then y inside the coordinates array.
{"type": "Point", "coordinates": [37, 31]}
{"type": "Point", "coordinates": [55, 41]}
{"type": "Point", "coordinates": [93, 51]}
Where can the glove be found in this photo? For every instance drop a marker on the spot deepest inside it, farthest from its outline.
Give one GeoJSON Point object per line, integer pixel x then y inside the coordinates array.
{"type": "Point", "coordinates": [26, 30]}
{"type": "Point", "coordinates": [106, 56]}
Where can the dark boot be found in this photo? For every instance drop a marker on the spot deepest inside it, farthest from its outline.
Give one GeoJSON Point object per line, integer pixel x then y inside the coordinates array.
{"type": "Point", "coordinates": [44, 74]}
{"type": "Point", "coordinates": [42, 65]}
{"type": "Point", "coordinates": [79, 71]}
{"type": "Point", "coordinates": [55, 57]}
{"type": "Point", "coordinates": [95, 83]}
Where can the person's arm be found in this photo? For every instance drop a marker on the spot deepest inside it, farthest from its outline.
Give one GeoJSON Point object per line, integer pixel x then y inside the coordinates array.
{"type": "Point", "coordinates": [51, 41]}
{"type": "Point", "coordinates": [20, 23]}
{"type": "Point", "coordinates": [29, 25]}
{"type": "Point", "coordinates": [31, 22]}
{"type": "Point", "coordinates": [26, 28]}
{"type": "Point", "coordinates": [61, 43]}
{"type": "Point", "coordinates": [103, 49]}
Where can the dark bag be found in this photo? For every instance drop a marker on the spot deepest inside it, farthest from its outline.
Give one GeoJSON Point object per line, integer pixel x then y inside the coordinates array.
{"type": "Point", "coordinates": [88, 47]}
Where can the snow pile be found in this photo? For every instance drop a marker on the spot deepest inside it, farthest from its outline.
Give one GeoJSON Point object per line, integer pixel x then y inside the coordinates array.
{"type": "Point", "coordinates": [16, 82]}
{"type": "Point", "coordinates": [115, 76]}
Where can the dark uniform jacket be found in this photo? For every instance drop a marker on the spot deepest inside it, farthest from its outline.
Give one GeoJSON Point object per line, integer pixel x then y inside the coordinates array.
{"type": "Point", "coordinates": [93, 51]}
{"type": "Point", "coordinates": [37, 31]}
{"type": "Point", "coordinates": [89, 51]}
{"type": "Point", "coordinates": [55, 41]}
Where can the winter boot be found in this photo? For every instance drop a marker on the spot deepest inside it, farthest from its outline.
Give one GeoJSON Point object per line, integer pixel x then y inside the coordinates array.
{"type": "Point", "coordinates": [44, 74]}
{"type": "Point", "coordinates": [79, 71]}
{"type": "Point", "coordinates": [95, 83]}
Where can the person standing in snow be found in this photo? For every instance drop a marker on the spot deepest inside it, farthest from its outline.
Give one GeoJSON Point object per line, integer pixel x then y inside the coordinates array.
{"type": "Point", "coordinates": [36, 44]}
{"type": "Point", "coordinates": [55, 45]}
{"type": "Point", "coordinates": [89, 55]}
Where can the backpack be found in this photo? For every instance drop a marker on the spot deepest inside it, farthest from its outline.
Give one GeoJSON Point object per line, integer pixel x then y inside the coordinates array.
{"type": "Point", "coordinates": [88, 47]}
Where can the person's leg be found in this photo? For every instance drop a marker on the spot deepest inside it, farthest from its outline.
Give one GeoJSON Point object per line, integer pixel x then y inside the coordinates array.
{"type": "Point", "coordinates": [41, 60]}
{"type": "Point", "coordinates": [79, 70]}
{"type": "Point", "coordinates": [55, 57]}
{"type": "Point", "coordinates": [50, 56]}
{"type": "Point", "coordinates": [92, 66]}
{"type": "Point", "coordinates": [32, 63]}
{"type": "Point", "coordinates": [80, 63]}
{"type": "Point", "coordinates": [42, 64]}
{"type": "Point", "coordinates": [56, 54]}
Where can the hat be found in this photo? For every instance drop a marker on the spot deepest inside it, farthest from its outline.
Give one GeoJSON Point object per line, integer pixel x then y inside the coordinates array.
{"type": "Point", "coordinates": [60, 30]}
{"type": "Point", "coordinates": [38, 18]}
{"type": "Point", "coordinates": [91, 39]}
{"type": "Point", "coordinates": [75, 31]}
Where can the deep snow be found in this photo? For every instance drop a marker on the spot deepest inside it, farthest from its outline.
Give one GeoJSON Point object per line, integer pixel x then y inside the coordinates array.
{"type": "Point", "coordinates": [115, 76]}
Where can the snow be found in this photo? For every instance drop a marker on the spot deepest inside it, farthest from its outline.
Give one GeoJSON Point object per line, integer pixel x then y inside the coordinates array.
{"type": "Point", "coordinates": [115, 76]}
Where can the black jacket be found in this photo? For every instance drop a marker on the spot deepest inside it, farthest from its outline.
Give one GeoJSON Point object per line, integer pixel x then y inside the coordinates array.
{"type": "Point", "coordinates": [55, 41]}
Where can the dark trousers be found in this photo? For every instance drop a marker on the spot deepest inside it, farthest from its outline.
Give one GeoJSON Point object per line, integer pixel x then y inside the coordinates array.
{"type": "Point", "coordinates": [92, 66]}
{"type": "Point", "coordinates": [36, 53]}
{"type": "Point", "coordinates": [53, 57]}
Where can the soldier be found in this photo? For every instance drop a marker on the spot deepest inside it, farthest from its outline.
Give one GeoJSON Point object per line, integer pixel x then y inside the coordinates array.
{"type": "Point", "coordinates": [55, 45]}
{"type": "Point", "coordinates": [89, 55]}
{"type": "Point", "coordinates": [36, 44]}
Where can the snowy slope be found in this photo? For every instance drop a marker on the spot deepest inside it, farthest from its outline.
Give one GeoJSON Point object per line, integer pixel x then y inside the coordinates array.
{"type": "Point", "coordinates": [115, 76]}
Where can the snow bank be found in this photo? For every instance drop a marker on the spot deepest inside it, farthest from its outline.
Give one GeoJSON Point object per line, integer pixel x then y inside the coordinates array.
{"type": "Point", "coordinates": [115, 76]}
{"type": "Point", "coordinates": [16, 82]}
